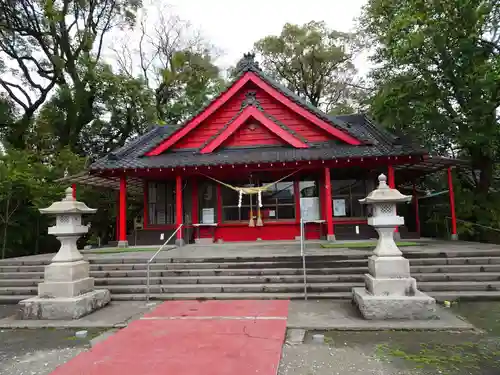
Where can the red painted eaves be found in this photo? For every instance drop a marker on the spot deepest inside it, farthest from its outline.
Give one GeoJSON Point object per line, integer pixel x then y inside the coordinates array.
{"type": "Point", "coordinates": [257, 115]}
{"type": "Point", "coordinates": [339, 134]}
{"type": "Point", "coordinates": [197, 120]}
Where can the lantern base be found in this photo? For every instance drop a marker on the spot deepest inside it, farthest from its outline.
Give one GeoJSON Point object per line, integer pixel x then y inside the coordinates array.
{"type": "Point", "coordinates": [63, 308]}
{"type": "Point", "coordinates": [420, 306]}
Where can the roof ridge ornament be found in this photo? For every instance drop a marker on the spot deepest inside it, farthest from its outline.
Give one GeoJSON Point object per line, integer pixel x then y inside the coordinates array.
{"type": "Point", "coordinates": [246, 63]}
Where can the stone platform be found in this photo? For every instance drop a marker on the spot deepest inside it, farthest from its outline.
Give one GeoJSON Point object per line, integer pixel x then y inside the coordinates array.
{"type": "Point", "coordinates": [63, 307]}
{"type": "Point", "coordinates": [380, 307]}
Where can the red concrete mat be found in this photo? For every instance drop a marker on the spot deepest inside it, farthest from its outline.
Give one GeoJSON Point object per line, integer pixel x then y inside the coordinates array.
{"type": "Point", "coordinates": [184, 346]}
{"type": "Point", "coordinates": [243, 308]}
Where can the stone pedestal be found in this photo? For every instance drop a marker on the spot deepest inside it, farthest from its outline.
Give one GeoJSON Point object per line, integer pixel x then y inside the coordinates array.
{"type": "Point", "coordinates": [67, 291]}
{"type": "Point", "coordinates": [390, 292]}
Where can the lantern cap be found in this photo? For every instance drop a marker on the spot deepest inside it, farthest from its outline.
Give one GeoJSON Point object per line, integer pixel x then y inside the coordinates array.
{"type": "Point", "coordinates": [68, 205]}
{"type": "Point", "coordinates": [384, 194]}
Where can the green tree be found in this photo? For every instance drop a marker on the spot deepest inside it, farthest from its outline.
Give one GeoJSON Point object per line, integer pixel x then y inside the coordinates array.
{"type": "Point", "coordinates": [314, 62]}
{"type": "Point", "coordinates": [438, 75]}
{"type": "Point", "coordinates": [55, 44]}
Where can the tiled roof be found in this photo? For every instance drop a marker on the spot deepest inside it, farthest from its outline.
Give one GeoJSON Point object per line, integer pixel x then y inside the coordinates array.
{"type": "Point", "coordinates": [377, 141]}
{"type": "Point", "coordinates": [247, 156]}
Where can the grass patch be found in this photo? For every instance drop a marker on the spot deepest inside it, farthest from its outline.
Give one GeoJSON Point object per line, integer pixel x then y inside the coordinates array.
{"type": "Point", "coordinates": [471, 357]}
{"type": "Point", "coordinates": [364, 245]}
{"type": "Point", "coordinates": [117, 250]}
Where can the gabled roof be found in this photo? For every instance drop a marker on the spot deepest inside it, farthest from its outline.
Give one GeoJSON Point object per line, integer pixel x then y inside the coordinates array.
{"type": "Point", "coordinates": [369, 139]}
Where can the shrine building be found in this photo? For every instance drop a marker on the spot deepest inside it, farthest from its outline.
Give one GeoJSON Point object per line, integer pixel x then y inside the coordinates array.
{"type": "Point", "coordinates": [252, 163]}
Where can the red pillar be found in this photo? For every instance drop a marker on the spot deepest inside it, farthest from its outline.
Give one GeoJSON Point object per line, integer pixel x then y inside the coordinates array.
{"type": "Point", "coordinates": [178, 206]}
{"type": "Point", "coordinates": [145, 216]}
{"type": "Point", "coordinates": [392, 182]}
{"type": "Point", "coordinates": [330, 234]}
{"type": "Point", "coordinates": [73, 187]}
{"type": "Point", "coordinates": [123, 211]}
{"type": "Point", "coordinates": [417, 214]}
{"type": "Point", "coordinates": [296, 193]}
{"type": "Point", "coordinates": [117, 227]}
{"type": "Point", "coordinates": [218, 190]}
{"type": "Point", "coordinates": [454, 235]}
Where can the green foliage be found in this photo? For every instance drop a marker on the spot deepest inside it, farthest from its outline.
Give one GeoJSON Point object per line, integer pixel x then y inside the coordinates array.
{"type": "Point", "coordinates": [314, 62]}
{"type": "Point", "coordinates": [189, 82]}
{"type": "Point", "coordinates": [27, 183]}
{"type": "Point", "coordinates": [438, 81]}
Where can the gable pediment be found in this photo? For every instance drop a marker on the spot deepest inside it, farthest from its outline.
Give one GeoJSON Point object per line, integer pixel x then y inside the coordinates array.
{"type": "Point", "coordinates": [286, 120]}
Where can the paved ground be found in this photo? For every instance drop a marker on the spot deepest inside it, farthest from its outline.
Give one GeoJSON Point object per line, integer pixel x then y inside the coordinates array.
{"type": "Point", "coordinates": [192, 338]}
{"type": "Point", "coordinates": [115, 314]}
{"type": "Point", "coordinates": [343, 315]}
{"type": "Point", "coordinates": [403, 352]}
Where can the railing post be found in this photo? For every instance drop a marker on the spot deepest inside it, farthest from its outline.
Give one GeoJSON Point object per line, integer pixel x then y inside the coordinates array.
{"type": "Point", "coordinates": [303, 255]}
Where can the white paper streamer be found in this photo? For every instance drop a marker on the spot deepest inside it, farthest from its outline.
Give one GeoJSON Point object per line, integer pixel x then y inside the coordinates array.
{"type": "Point", "coordinates": [260, 198]}
{"type": "Point", "coordinates": [240, 198]}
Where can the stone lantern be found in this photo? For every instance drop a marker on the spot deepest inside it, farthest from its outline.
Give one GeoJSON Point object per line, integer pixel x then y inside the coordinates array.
{"type": "Point", "coordinates": [67, 291]}
{"type": "Point", "coordinates": [390, 292]}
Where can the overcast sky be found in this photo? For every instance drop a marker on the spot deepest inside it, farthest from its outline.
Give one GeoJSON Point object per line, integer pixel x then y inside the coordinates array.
{"type": "Point", "coordinates": [234, 26]}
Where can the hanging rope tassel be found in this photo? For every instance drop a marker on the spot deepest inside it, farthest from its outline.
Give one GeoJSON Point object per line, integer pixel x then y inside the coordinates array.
{"type": "Point", "coordinates": [251, 222]}
{"type": "Point", "coordinates": [259, 205]}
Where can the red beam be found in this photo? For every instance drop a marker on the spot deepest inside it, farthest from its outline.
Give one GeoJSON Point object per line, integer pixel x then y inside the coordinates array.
{"type": "Point", "coordinates": [216, 104]}
{"type": "Point", "coordinates": [145, 216]}
{"type": "Point", "coordinates": [257, 115]}
{"type": "Point", "coordinates": [123, 208]}
{"type": "Point", "coordinates": [328, 204]}
{"type": "Point", "coordinates": [303, 112]}
{"type": "Point", "coordinates": [73, 188]}
{"type": "Point", "coordinates": [178, 205]}
{"type": "Point", "coordinates": [452, 204]}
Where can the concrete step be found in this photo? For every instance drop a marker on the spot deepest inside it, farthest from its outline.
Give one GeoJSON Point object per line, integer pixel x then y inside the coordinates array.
{"type": "Point", "coordinates": [22, 290]}
{"type": "Point", "coordinates": [465, 268]}
{"type": "Point", "coordinates": [21, 275]}
{"type": "Point", "coordinates": [13, 299]}
{"type": "Point", "coordinates": [229, 296]}
{"type": "Point", "coordinates": [232, 288]}
{"type": "Point", "coordinates": [432, 286]}
{"type": "Point", "coordinates": [115, 265]}
{"type": "Point", "coordinates": [460, 276]}
{"type": "Point", "coordinates": [19, 282]}
{"type": "Point", "coordinates": [231, 279]}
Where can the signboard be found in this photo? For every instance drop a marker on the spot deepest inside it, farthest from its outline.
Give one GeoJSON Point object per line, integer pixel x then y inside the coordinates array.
{"type": "Point", "coordinates": [207, 216]}
{"type": "Point", "coordinates": [339, 207]}
{"type": "Point", "coordinates": [309, 208]}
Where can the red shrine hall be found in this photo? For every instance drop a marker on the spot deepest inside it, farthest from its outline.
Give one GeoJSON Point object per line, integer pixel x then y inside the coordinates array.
{"type": "Point", "coordinates": [253, 163]}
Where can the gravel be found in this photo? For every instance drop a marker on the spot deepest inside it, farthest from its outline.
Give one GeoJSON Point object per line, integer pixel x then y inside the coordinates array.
{"type": "Point", "coordinates": [38, 352]}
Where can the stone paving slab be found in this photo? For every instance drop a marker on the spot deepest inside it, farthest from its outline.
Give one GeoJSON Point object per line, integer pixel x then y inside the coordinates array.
{"type": "Point", "coordinates": [343, 315]}
{"type": "Point", "coordinates": [114, 315]}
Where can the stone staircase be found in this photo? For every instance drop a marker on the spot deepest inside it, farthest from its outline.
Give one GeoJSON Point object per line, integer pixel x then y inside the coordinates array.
{"type": "Point", "coordinates": [443, 275]}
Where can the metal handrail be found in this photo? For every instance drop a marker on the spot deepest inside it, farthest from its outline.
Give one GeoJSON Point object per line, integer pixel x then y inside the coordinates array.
{"type": "Point", "coordinates": [154, 256]}
{"type": "Point", "coordinates": [303, 255]}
